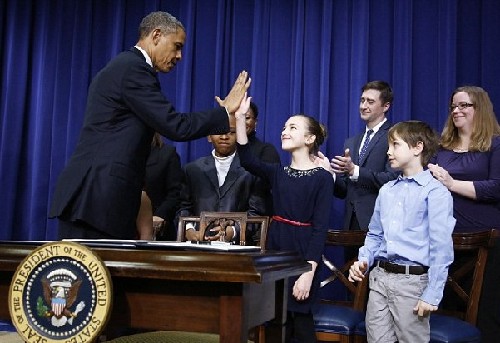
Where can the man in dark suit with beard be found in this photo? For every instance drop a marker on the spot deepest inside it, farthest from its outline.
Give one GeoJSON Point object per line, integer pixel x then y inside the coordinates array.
{"type": "Point", "coordinates": [98, 193]}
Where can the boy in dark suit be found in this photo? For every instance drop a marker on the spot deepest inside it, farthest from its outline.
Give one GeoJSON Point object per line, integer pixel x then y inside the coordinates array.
{"type": "Point", "coordinates": [218, 183]}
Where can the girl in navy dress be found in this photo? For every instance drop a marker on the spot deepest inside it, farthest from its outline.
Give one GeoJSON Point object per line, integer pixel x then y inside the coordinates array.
{"type": "Point", "coordinates": [301, 209]}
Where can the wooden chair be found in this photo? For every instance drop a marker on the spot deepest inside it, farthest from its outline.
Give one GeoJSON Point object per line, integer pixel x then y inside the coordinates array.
{"type": "Point", "coordinates": [241, 218]}
{"type": "Point", "coordinates": [465, 280]}
{"type": "Point", "coordinates": [207, 218]}
{"type": "Point", "coordinates": [458, 325]}
{"type": "Point", "coordinates": [263, 223]}
{"type": "Point", "coordinates": [335, 321]}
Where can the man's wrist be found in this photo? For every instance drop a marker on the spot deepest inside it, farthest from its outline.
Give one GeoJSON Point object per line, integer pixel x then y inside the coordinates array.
{"type": "Point", "coordinates": [355, 173]}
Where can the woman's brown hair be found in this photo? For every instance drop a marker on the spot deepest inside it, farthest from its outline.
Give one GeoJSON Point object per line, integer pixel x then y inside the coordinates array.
{"type": "Point", "coordinates": [485, 125]}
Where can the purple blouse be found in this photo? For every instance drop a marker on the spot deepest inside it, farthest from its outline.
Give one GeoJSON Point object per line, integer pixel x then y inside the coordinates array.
{"type": "Point", "coordinates": [483, 168]}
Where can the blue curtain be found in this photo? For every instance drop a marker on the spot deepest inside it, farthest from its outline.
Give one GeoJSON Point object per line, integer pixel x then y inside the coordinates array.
{"type": "Point", "coordinates": [307, 56]}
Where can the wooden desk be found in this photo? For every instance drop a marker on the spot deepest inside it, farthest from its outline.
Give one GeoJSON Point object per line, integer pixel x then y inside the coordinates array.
{"type": "Point", "coordinates": [225, 293]}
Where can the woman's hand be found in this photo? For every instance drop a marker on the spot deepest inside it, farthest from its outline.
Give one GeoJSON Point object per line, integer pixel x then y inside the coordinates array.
{"type": "Point", "coordinates": [441, 175]}
{"type": "Point", "coordinates": [322, 161]}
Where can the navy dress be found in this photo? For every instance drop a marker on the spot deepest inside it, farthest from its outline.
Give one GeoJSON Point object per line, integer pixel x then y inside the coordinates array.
{"type": "Point", "coordinates": [302, 196]}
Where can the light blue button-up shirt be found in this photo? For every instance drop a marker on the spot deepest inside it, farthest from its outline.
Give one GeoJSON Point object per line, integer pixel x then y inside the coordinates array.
{"type": "Point", "coordinates": [412, 224]}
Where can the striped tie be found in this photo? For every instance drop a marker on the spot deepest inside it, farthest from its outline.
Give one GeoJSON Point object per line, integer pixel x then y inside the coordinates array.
{"type": "Point", "coordinates": [365, 145]}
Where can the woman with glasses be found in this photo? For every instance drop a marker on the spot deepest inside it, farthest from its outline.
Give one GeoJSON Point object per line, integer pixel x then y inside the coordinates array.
{"type": "Point", "coordinates": [468, 164]}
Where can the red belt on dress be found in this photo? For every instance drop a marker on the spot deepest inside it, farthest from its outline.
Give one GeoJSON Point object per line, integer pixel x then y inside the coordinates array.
{"type": "Point", "coordinates": [290, 222]}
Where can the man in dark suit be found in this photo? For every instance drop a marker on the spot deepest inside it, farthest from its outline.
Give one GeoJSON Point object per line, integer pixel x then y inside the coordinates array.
{"type": "Point", "coordinates": [98, 193]}
{"type": "Point", "coordinates": [364, 167]}
{"type": "Point", "coordinates": [218, 183]}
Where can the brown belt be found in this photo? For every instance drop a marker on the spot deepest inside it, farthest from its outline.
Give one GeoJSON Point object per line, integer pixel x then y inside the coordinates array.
{"type": "Point", "coordinates": [402, 269]}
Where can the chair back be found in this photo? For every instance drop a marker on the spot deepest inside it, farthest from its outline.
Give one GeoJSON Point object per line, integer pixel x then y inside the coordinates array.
{"type": "Point", "coordinates": [228, 218]}
{"type": "Point", "coordinates": [455, 321]}
{"type": "Point", "coordinates": [262, 223]}
{"type": "Point", "coordinates": [465, 277]}
{"type": "Point", "coordinates": [358, 290]}
{"type": "Point", "coordinates": [334, 320]}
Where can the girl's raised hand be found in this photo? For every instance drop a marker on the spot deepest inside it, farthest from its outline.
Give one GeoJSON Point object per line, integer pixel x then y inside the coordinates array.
{"type": "Point", "coordinates": [244, 106]}
{"type": "Point", "coordinates": [240, 114]}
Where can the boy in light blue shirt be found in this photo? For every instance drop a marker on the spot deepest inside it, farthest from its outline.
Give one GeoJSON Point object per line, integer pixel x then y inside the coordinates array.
{"type": "Point", "coordinates": [409, 242]}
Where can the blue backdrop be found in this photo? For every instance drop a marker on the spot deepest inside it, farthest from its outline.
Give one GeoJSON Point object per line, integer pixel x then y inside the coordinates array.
{"type": "Point", "coordinates": [307, 56]}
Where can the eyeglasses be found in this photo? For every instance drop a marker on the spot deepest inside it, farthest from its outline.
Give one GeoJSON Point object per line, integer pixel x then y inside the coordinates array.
{"type": "Point", "coordinates": [461, 106]}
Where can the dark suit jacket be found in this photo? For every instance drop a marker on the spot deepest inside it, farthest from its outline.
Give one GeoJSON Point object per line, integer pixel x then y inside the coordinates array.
{"type": "Point", "coordinates": [101, 184]}
{"type": "Point", "coordinates": [163, 186]}
{"type": "Point", "coordinates": [201, 192]}
{"type": "Point", "coordinates": [266, 152]}
{"type": "Point", "coordinates": [374, 172]}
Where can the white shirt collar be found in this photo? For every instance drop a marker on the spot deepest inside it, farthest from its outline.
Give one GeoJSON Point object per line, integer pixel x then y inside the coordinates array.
{"type": "Point", "coordinates": [222, 165]}
{"type": "Point", "coordinates": [148, 59]}
{"type": "Point", "coordinates": [376, 127]}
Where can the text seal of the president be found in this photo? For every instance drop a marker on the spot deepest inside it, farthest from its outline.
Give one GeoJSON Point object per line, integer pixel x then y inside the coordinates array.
{"type": "Point", "coordinates": [61, 292]}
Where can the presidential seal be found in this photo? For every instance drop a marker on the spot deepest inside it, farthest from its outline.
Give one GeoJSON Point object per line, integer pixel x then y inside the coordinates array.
{"type": "Point", "coordinates": [61, 292]}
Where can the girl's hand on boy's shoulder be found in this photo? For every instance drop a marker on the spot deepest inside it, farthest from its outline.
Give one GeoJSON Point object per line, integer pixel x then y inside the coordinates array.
{"type": "Point", "coordinates": [422, 309]}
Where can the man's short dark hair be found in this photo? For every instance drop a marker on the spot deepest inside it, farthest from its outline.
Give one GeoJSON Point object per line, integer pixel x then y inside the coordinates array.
{"type": "Point", "coordinates": [166, 22]}
{"type": "Point", "coordinates": [386, 95]}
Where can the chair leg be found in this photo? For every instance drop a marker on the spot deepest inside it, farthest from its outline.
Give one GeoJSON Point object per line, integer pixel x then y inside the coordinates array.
{"type": "Point", "coordinates": [259, 334]}
{"type": "Point", "coordinates": [327, 337]}
{"type": "Point", "coordinates": [360, 339]}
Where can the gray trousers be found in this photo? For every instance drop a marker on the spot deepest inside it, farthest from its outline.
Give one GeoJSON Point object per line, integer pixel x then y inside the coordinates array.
{"type": "Point", "coordinates": [389, 314]}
